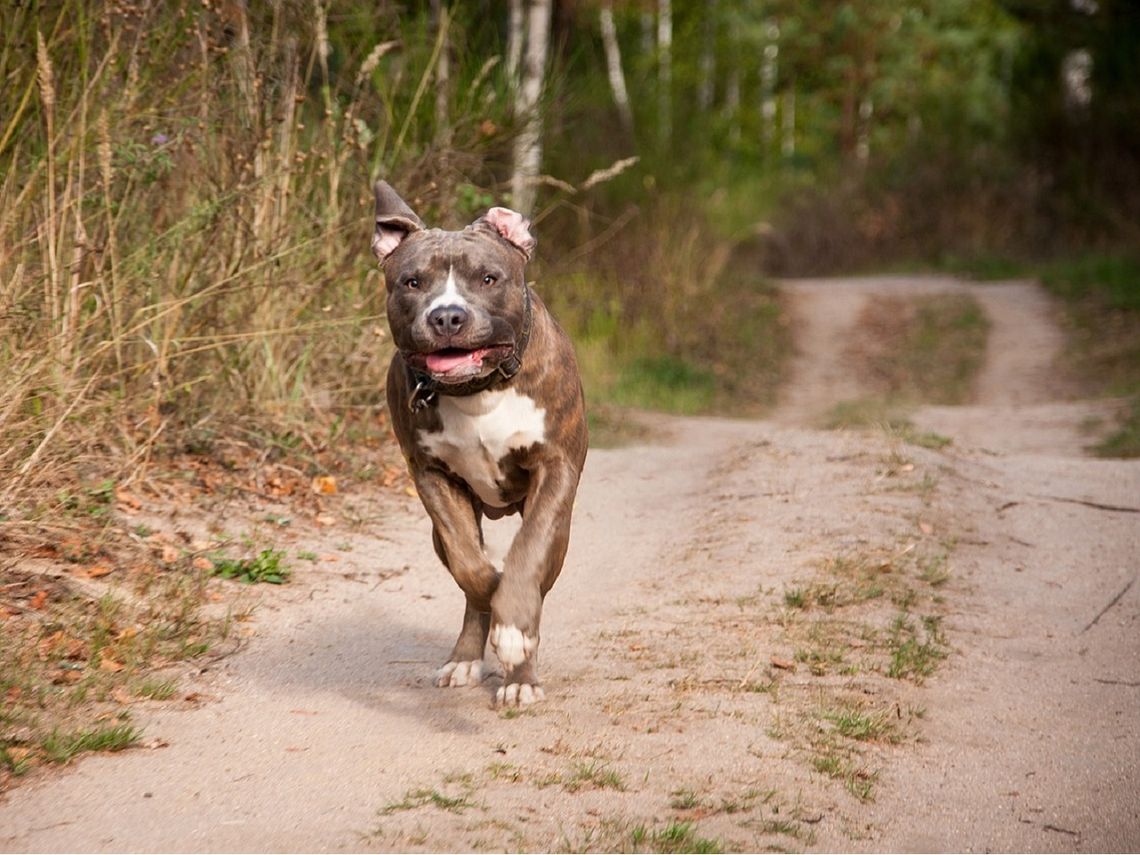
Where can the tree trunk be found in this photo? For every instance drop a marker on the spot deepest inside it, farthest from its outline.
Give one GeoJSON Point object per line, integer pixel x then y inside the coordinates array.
{"type": "Point", "coordinates": [514, 40]}
{"type": "Point", "coordinates": [528, 144]}
{"type": "Point", "coordinates": [613, 64]}
{"type": "Point", "coordinates": [442, 76]}
{"type": "Point", "coordinates": [707, 85]}
{"type": "Point", "coordinates": [665, 70]}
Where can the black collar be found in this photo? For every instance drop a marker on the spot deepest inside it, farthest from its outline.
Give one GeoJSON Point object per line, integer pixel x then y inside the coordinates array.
{"type": "Point", "coordinates": [425, 387]}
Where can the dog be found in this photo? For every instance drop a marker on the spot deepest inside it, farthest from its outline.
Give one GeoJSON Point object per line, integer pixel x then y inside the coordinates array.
{"type": "Point", "coordinates": [486, 403]}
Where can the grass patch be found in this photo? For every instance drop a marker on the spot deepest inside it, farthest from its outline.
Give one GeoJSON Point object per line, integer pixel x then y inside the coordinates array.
{"type": "Point", "coordinates": [666, 383]}
{"type": "Point", "coordinates": [595, 774]}
{"type": "Point", "coordinates": [915, 648]}
{"type": "Point", "coordinates": [266, 567]}
{"type": "Point", "coordinates": [921, 349]}
{"type": "Point", "coordinates": [885, 414]}
{"type": "Point", "coordinates": [430, 796]}
{"type": "Point", "coordinates": [69, 663]}
{"type": "Point", "coordinates": [1124, 440]}
{"type": "Point", "coordinates": [62, 747]}
{"type": "Point", "coordinates": [854, 723]}
{"type": "Point", "coordinates": [674, 837]}
{"type": "Point", "coordinates": [1101, 295]}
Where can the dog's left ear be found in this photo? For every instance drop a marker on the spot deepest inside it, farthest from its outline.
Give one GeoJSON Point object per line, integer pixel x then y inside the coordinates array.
{"type": "Point", "coordinates": [394, 221]}
{"type": "Point", "coordinates": [513, 227]}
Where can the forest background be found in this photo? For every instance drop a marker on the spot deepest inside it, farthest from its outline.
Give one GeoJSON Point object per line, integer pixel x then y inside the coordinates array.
{"type": "Point", "coordinates": [185, 194]}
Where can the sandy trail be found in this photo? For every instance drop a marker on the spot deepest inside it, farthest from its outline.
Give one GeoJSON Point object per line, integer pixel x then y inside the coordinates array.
{"type": "Point", "coordinates": [325, 734]}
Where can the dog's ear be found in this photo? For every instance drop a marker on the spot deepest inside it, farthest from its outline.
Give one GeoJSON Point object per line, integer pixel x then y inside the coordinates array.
{"type": "Point", "coordinates": [513, 227]}
{"type": "Point", "coordinates": [394, 221]}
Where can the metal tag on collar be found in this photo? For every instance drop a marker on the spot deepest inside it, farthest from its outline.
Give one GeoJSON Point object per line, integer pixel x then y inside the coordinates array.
{"type": "Point", "coordinates": [421, 397]}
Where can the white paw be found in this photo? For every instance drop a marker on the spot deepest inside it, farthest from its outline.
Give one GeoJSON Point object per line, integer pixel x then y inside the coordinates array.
{"type": "Point", "coordinates": [519, 695]}
{"type": "Point", "coordinates": [460, 674]}
{"type": "Point", "coordinates": [511, 645]}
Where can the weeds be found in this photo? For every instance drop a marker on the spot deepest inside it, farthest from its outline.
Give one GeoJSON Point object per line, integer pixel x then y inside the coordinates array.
{"type": "Point", "coordinates": [674, 837]}
{"type": "Point", "coordinates": [914, 652]}
{"type": "Point", "coordinates": [922, 349]}
{"type": "Point", "coordinates": [62, 747]}
{"type": "Point", "coordinates": [266, 566]}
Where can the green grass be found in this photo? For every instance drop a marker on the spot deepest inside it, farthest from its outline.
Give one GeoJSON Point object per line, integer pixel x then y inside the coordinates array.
{"type": "Point", "coordinates": [674, 837]}
{"type": "Point", "coordinates": [157, 690]}
{"type": "Point", "coordinates": [62, 747]}
{"type": "Point", "coordinates": [595, 774]}
{"type": "Point", "coordinates": [924, 349]}
{"type": "Point", "coordinates": [882, 414]}
{"type": "Point", "coordinates": [853, 723]}
{"type": "Point", "coordinates": [429, 796]}
{"type": "Point", "coordinates": [1101, 295]}
{"type": "Point", "coordinates": [665, 383]}
{"type": "Point", "coordinates": [266, 566]}
{"type": "Point", "coordinates": [1124, 440]}
{"type": "Point", "coordinates": [915, 651]}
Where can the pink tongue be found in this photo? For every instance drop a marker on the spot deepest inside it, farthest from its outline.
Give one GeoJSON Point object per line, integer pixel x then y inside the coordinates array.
{"type": "Point", "coordinates": [441, 363]}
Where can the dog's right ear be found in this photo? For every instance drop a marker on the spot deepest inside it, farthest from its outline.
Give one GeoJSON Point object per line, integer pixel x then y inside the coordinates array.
{"type": "Point", "coordinates": [394, 221]}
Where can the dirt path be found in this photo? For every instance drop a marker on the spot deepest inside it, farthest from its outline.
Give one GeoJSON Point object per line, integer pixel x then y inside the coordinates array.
{"type": "Point", "coordinates": [667, 723]}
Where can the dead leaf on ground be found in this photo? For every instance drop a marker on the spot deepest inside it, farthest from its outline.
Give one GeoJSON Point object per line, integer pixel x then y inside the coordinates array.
{"type": "Point", "coordinates": [324, 485]}
{"type": "Point", "coordinates": [127, 500]}
{"type": "Point", "coordinates": [110, 665]}
{"type": "Point", "coordinates": [170, 554]}
{"type": "Point", "coordinates": [97, 571]}
{"type": "Point", "coordinates": [783, 664]}
{"type": "Point", "coordinates": [38, 600]}
{"type": "Point", "coordinates": [326, 519]}
{"type": "Point", "coordinates": [202, 563]}
{"type": "Point", "coordinates": [925, 527]}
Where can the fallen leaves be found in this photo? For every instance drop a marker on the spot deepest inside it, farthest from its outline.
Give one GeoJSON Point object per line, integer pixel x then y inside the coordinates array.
{"type": "Point", "coordinates": [324, 485]}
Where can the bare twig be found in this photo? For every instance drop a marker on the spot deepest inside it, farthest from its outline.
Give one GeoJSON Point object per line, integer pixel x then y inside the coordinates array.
{"type": "Point", "coordinates": [1111, 603]}
{"type": "Point", "coordinates": [1100, 506]}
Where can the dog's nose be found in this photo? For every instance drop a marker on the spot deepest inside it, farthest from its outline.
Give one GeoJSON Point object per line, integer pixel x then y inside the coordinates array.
{"type": "Point", "coordinates": [447, 320]}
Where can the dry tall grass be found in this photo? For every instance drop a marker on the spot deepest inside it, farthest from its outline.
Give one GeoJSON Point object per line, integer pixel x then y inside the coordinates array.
{"type": "Point", "coordinates": [184, 220]}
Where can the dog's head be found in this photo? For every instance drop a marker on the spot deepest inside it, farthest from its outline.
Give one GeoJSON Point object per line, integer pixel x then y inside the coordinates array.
{"type": "Point", "coordinates": [457, 303]}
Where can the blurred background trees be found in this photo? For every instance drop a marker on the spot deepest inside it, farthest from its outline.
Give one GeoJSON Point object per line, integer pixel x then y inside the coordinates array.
{"type": "Point", "coordinates": [185, 202]}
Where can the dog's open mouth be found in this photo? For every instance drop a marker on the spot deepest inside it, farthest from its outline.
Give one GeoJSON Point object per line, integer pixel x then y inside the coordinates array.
{"type": "Point", "coordinates": [455, 364]}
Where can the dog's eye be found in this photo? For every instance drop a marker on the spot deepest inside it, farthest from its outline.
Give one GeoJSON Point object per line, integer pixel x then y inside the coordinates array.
{"type": "Point", "coordinates": [412, 282]}
{"type": "Point", "coordinates": [488, 279]}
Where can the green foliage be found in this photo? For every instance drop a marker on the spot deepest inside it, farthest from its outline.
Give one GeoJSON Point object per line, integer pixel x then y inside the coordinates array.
{"type": "Point", "coordinates": [62, 747]}
{"type": "Point", "coordinates": [266, 566]}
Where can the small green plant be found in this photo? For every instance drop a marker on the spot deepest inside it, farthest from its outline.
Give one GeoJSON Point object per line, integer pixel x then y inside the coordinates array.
{"type": "Point", "coordinates": [61, 747]}
{"type": "Point", "coordinates": [595, 774]}
{"type": "Point", "coordinates": [856, 724]}
{"type": "Point", "coordinates": [266, 567]}
{"type": "Point", "coordinates": [429, 796]}
{"type": "Point", "coordinates": [684, 799]}
{"type": "Point", "coordinates": [674, 837]}
{"type": "Point", "coordinates": [157, 690]}
{"type": "Point", "coordinates": [914, 653]}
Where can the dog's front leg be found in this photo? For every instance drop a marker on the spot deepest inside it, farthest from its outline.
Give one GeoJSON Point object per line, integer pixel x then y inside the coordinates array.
{"type": "Point", "coordinates": [459, 544]}
{"type": "Point", "coordinates": [530, 569]}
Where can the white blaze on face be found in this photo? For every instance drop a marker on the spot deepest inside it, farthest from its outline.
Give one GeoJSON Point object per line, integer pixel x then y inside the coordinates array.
{"type": "Point", "coordinates": [450, 295]}
{"type": "Point", "coordinates": [479, 431]}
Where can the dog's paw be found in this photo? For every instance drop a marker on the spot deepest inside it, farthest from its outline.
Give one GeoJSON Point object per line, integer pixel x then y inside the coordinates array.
{"type": "Point", "coordinates": [519, 695]}
{"type": "Point", "coordinates": [512, 645]}
{"type": "Point", "coordinates": [460, 674]}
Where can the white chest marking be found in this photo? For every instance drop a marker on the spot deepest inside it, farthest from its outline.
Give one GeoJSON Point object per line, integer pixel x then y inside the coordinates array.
{"type": "Point", "coordinates": [479, 431]}
{"type": "Point", "coordinates": [450, 295]}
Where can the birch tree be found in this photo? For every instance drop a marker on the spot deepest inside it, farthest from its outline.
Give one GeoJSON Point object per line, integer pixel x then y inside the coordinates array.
{"type": "Point", "coordinates": [528, 144]}
{"type": "Point", "coordinates": [613, 64]}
